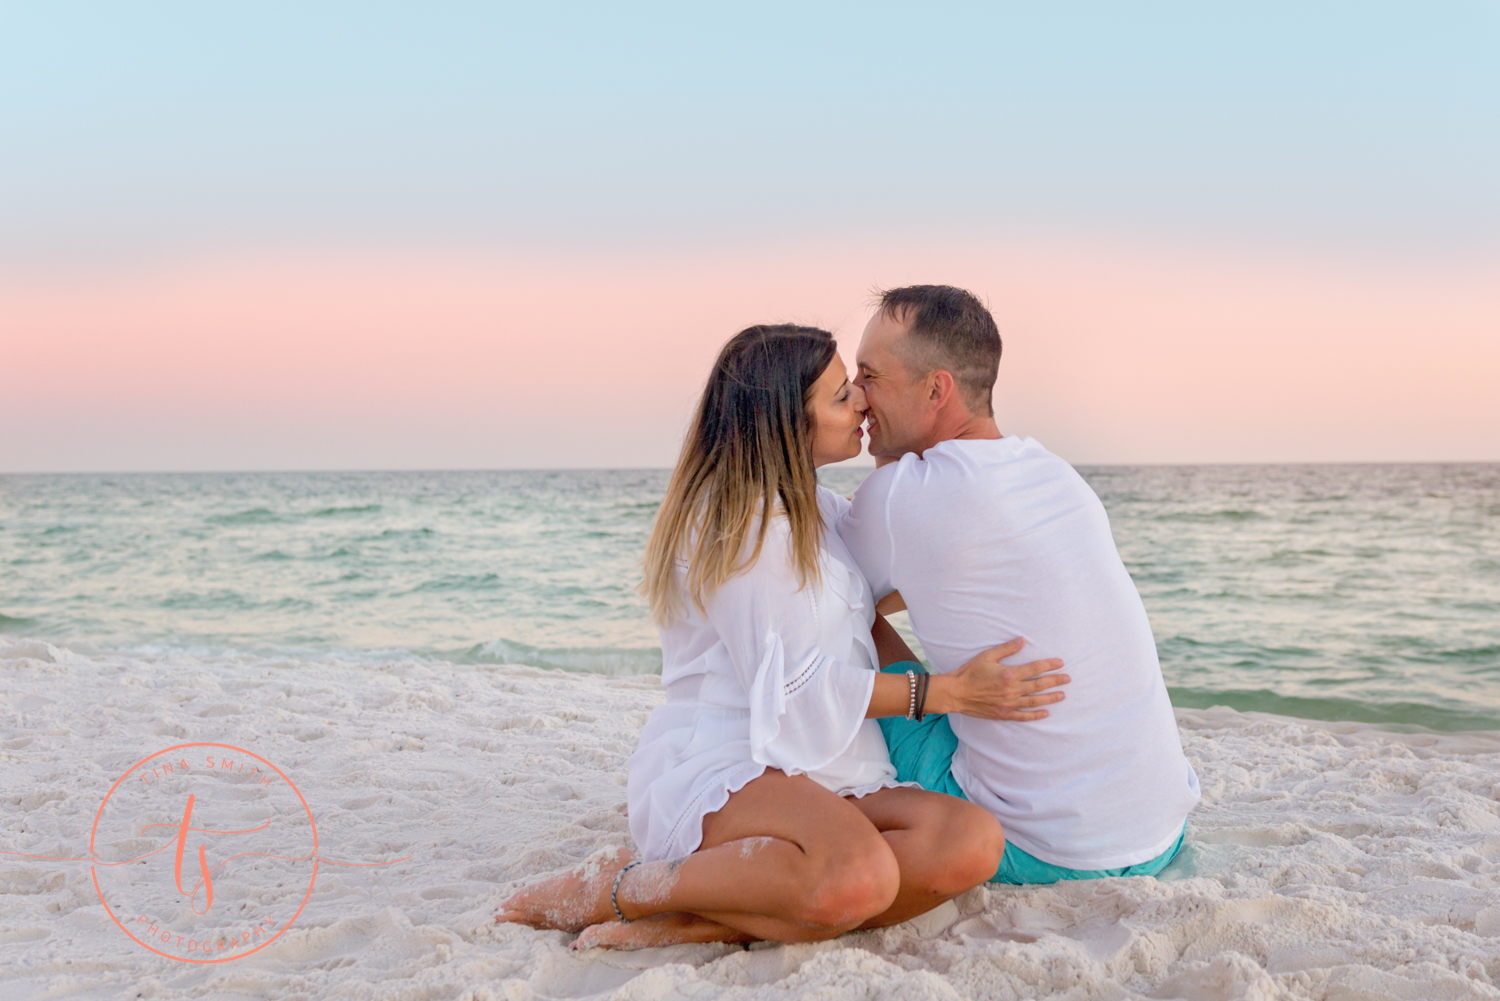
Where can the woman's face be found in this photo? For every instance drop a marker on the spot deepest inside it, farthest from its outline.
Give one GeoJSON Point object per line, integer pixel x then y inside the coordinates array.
{"type": "Point", "coordinates": [838, 410]}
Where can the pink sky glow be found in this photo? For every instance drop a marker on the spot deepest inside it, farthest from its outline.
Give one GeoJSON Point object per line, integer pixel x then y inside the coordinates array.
{"type": "Point", "coordinates": [1112, 355]}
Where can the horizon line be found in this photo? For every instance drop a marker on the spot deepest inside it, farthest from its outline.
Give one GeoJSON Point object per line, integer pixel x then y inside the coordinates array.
{"type": "Point", "coordinates": [667, 469]}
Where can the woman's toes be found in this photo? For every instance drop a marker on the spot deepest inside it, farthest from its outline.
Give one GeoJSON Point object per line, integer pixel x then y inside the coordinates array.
{"type": "Point", "coordinates": [609, 934]}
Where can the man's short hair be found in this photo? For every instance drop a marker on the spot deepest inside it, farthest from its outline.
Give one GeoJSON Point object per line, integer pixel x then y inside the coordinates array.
{"type": "Point", "coordinates": [949, 329]}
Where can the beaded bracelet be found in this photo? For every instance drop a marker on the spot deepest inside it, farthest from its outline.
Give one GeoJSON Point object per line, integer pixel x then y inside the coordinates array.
{"type": "Point", "coordinates": [911, 679]}
{"type": "Point", "coordinates": [614, 894]}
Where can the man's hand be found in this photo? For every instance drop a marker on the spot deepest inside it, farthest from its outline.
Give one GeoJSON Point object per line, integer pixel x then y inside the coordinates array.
{"type": "Point", "coordinates": [987, 689]}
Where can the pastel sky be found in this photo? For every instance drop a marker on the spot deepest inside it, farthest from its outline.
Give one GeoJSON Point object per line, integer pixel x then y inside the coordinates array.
{"type": "Point", "coordinates": [331, 236]}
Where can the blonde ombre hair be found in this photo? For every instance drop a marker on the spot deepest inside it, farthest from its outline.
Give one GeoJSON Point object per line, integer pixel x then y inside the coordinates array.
{"type": "Point", "coordinates": [749, 449]}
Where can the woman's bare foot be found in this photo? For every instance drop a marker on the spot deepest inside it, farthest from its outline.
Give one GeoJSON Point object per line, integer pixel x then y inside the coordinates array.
{"type": "Point", "coordinates": [658, 930]}
{"type": "Point", "coordinates": [570, 901]}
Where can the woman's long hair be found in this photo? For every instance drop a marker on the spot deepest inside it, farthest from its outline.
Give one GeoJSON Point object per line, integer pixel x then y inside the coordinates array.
{"type": "Point", "coordinates": [749, 446]}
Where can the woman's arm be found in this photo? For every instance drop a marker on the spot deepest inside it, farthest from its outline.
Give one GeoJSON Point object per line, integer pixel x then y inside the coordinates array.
{"type": "Point", "coordinates": [892, 694]}
{"type": "Point", "coordinates": [892, 697]}
{"type": "Point", "coordinates": [984, 687]}
{"type": "Point", "coordinates": [805, 706]}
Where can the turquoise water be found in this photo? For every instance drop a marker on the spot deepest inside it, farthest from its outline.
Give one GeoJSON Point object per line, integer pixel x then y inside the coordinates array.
{"type": "Point", "coordinates": [1336, 592]}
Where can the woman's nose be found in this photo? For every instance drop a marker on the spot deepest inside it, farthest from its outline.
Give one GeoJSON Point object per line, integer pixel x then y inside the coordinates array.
{"type": "Point", "coordinates": [857, 397]}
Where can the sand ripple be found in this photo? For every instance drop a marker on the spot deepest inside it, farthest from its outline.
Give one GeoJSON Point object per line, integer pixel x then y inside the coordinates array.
{"type": "Point", "coordinates": [1328, 861]}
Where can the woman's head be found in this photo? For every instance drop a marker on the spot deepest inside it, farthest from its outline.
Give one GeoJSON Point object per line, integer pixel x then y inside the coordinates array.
{"type": "Point", "coordinates": [835, 410]}
{"type": "Point", "coordinates": [776, 405]}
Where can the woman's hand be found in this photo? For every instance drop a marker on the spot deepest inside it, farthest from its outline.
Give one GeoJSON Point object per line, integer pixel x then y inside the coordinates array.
{"type": "Point", "coordinates": [987, 689]}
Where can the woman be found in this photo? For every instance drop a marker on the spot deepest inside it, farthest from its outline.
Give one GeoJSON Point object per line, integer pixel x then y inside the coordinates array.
{"type": "Point", "coordinates": [761, 796]}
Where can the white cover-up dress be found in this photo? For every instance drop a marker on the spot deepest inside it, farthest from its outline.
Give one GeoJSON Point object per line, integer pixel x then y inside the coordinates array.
{"type": "Point", "coordinates": [771, 677]}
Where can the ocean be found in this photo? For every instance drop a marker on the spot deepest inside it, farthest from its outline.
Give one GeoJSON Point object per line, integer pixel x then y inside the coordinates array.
{"type": "Point", "coordinates": [391, 644]}
{"type": "Point", "coordinates": [1335, 592]}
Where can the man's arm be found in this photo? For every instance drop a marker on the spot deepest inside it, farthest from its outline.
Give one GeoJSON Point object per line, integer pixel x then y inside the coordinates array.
{"type": "Point", "coordinates": [888, 643]}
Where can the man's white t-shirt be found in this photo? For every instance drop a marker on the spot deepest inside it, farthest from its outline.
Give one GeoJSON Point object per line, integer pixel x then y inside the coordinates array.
{"type": "Point", "coordinates": [992, 539]}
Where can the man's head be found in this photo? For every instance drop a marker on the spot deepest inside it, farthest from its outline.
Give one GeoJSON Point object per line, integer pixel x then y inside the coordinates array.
{"type": "Point", "coordinates": [927, 363]}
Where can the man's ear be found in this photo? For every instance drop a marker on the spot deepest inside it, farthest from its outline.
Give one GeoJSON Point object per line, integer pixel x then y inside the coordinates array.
{"type": "Point", "coordinates": [940, 388]}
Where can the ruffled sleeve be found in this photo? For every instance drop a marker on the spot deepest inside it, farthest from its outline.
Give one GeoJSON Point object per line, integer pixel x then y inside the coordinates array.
{"type": "Point", "coordinates": [805, 706]}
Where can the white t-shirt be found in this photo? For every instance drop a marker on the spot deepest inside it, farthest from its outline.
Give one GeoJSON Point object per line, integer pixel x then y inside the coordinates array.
{"type": "Point", "coordinates": [992, 539]}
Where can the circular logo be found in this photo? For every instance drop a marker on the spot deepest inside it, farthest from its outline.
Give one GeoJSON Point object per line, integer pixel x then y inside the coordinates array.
{"type": "Point", "coordinates": [204, 852]}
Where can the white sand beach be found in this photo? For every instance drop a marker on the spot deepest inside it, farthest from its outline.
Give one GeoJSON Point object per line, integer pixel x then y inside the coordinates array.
{"type": "Point", "coordinates": [1327, 861]}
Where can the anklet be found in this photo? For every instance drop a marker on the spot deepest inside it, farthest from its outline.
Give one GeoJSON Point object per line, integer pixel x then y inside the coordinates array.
{"type": "Point", "coordinates": [614, 893]}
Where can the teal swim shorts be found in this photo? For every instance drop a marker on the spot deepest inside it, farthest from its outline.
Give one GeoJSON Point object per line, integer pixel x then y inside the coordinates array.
{"type": "Point", "coordinates": [923, 753]}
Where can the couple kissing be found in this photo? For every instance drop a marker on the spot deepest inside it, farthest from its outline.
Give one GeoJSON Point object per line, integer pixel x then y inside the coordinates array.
{"type": "Point", "coordinates": [806, 775]}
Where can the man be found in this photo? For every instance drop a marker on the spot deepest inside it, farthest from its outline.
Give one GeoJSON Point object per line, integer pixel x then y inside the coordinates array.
{"type": "Point", "coordinates": [987, 537]}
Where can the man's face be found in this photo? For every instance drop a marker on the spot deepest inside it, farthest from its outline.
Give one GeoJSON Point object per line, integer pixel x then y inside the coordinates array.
{"type": "Point", "coordinates": [900, 417]}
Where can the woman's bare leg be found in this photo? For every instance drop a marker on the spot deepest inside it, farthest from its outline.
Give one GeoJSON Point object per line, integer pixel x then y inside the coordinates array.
{"type": "Point", "coordinates": [570, 900]}
{"type": "Point", "coordinates": [785, 859]}
{"type": "Point", "coordinates": [676, 928]}
{"type": "Point", "coordinates": [943, 845]}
